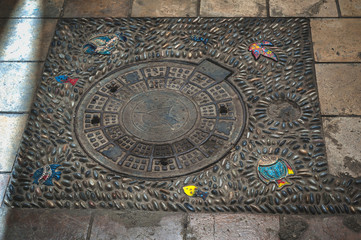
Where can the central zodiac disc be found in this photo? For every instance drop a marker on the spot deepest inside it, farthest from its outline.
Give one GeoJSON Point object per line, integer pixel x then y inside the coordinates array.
{"type": "Point", "coordinates": [161, 119]}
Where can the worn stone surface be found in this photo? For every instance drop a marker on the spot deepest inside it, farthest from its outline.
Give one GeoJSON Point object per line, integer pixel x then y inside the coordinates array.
{"type": "Point", "coordinates": [11, 129]}
{"type": "Point", "coordinates": [292, 227]}
{"type": "Point", "coordinates": [350, 8]}
{"type": "Point", "coordinates": [25, 39]}
{"type": "Point", "coordinates": [18, 84]}
{"type": "Point", "coordinates": [328, 228]}
{"type": "Point", "coordinates": [4, 180]}
{"type": "Point", "coordinates": [246, 226]}
{"type": "Point", "coordinates": [43, 224]}
{"type": "Point", "coordinates": [343, 137]}
{"type": "Point", "coordinates": [94, 8]}
{"type": "Point", "coordinates": [339, 88]}
{"type": "Point", "coordinates": [232, 226]}
{"type": "Point", "coordinates": [31, 8]}
{"type": "Point", "coordinates": [138, 225]}
{"type": "Point", "coordinates": [233, 8]}
{"type": "Point", "coordinates": [336, 40]}
{"type": "Point", "coordinates": [353, 223]}
{"type": "Point", "coordinates": [164, 8]}
{"type": "Point", "coordinates": [200, 227]}
{"type": "Point", "coordinates": [303, 8]}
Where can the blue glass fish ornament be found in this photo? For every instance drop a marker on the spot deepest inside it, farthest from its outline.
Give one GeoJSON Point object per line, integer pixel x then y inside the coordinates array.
{"type": "Point", "coordinates": [46, 174]}
{"type": "Point", "coordinates": [274, 169]}
{"type": "Point", "coordinates": [103, 44]}
{"type": "Point", "coordinates": [65, 79]}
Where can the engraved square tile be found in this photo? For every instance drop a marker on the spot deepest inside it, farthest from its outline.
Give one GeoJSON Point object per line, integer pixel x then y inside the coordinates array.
{"type": "Point", "coordinates": [350, 8]}
{"type": "Point", "coordinates": [31, 8]}
{"type": "Point", "coordinates": [164, 8]}
{"type": "Point", "coordinates": [94, 8]}
{"type": "Point", "coordinates": [234, 8]}
{"type": "Point", "coordinates": [343, 140]}
{"type": "Point", "coordinates": [303, 8]}
{"type": "Point", "coordinates": [339, 86]}
{"type": "Point", "coordinates": [336, 40]}
{"type": "Point", "coordinates": [11, 129]}
{"type": "Point", "coordinates": [18, 84]}
{"type": "Point", "coordinates": [25, 39]}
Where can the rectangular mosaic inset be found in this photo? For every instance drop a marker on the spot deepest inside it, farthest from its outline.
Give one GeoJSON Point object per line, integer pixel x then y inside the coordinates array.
{"type": "Point", "coordinates": [187, 114]}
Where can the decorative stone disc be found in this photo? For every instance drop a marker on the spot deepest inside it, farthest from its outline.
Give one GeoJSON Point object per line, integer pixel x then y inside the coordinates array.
{"type": "Point", "coordinates": [161, 119]}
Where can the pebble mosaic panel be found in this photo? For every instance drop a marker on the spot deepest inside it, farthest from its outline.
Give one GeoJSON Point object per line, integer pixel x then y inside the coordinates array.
{"type": "Point", "coordinates": [179, 114]}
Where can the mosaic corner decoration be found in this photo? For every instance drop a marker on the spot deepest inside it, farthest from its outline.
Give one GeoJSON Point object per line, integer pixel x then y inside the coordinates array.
{"type": "Point", "coordinates": [187, 114]}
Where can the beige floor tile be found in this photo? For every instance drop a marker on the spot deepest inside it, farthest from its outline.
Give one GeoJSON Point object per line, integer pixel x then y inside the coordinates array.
{"type": "Point", "coordinates": [4, 180]}
{"type": "Point", "coordinates": [200, 226]}
{"type": "Point", "coordinates": [320, 228]}
{"type": "Point", "coordinates": [139, 225]}
{"type": "Point", "coordinates": [25, 39]}
{"type": "Point", "coordinates": [343, 138]}
{"type": "Point", "coordinates": [96, 8]}
{"type": "Point", "coordinates": [246, 226]}
{"type": "Point", "coordinates": [329, 228]}
{"type": "Point", "coordinates": [18, 82]}
{"type": "Point", "coordinates": [11, 130]}
{"type": "Point", "coordinates": [350, 8]}
{"type": "Point", "coordinates": [339, 87]}
{"type": "Point", "coordinates": [164, 8]}
{"type": "Point", "coordinates": [303, 8]}
{"type": "Point", "coordinates": [336, 40]}
{"type": "Point", "coordinates": [41, 224]}
{"type": "Point", "coordinates": [31, 8]}
{"type": "Point", "coordinates": [233, 8]}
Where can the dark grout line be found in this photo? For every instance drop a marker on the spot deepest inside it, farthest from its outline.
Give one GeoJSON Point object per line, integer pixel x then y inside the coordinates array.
{"type": "Point", "coordinates": [131, 2]}
{"type": "Point", "coordinates": [22, 61]}
{"type": "Point", "coordinates": [338, 8]}
{"type": "Point", "coordinates": [5, 172]}
{"type": "Point", "coordinates": [90, 226]}
{"type": "Point", "coordinates": [62, 10]}
{"type": "Point", "coordinates": [342, 116]}
{"type": "Point", "coordinates": [199, 8]}
{"type": "Point", "coordinates": [268, 9]}
{"type": "Point", "coordinates": [15, 18]}
{"type": "Point", "coordinates": [337, 62]}
{"type": "Point", "coordinates": [292, 17]}
{"type": "Point", "coordinates": [11, 112]}
{"type": "Point", "coordinates": [198, 12]}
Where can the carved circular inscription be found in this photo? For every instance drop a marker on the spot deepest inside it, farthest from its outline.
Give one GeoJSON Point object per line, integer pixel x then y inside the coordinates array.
{"type": "Point", "coordinates": [160, 119]}
{"type": "Point", "coordinates": [159, 116]}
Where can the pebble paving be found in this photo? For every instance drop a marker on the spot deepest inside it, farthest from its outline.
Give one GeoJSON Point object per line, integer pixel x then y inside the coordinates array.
{"type": "Point", "coordinates": [178, 102]}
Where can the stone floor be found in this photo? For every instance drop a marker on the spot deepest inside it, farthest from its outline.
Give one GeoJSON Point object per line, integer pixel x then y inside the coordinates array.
{"type": "Point", "coordinates": [26, 29]}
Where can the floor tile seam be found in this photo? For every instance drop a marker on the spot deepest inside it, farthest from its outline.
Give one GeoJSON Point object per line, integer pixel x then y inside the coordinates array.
{"type": "Point", "coordinates": [315, 80]}
{"type": "Point", "coordinates": [338, 8]}
{"type": "Point", "coordinates": [176, 17]}
{"type": "Point", "coordinates": [89, 230]}
{"type": "Point", "coordinates": [198, 13]}
{"type": "Point", "coordinates": [341, 116]}
{"type": "Point", "coordinates": [185, 222]}
{"type": "Point", "coordinates": [19, 18]}
{"type": "Point", "coordinates": [14, 112]}
{"type": "Point", "coordinates": [338, 62]}
{"type": "Point", "coordinates": [22, 61]}
{"type": "Point", "coordinates": [268, 9]}
{"type": "Point", "coordinates": [61, 14]}
{"type": "Point", "coordinates": [131, 2]}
